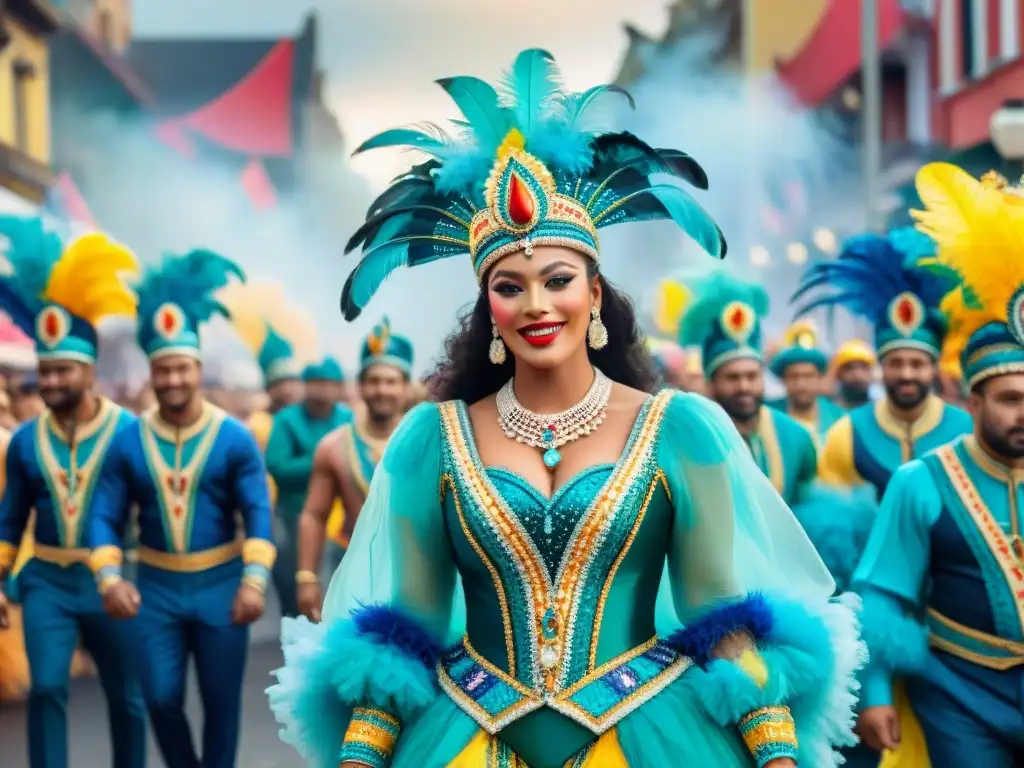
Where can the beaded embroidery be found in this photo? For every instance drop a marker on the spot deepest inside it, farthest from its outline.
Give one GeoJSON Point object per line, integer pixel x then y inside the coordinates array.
{"type": "Point", "coordinates": [71, 486]}
{"type": "Point", "coordinates": [552, 621]}
{"type": "Point", "coordinates": [177, 486]}
{"type": "Point", "coordinates": [371, 737]}
{"type": "Point", "coordinates": [769, 734]}
{"type": "Point", "coordinates": [598, 701]}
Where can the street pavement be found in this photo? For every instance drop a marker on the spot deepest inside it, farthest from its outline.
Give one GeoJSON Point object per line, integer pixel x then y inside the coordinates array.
{"type": "Point", "coordinates": [259, 746]}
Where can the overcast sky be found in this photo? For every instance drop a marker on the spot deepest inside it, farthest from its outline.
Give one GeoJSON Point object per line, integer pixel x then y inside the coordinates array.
{"type": "Point", "coordinates": [381, 56]}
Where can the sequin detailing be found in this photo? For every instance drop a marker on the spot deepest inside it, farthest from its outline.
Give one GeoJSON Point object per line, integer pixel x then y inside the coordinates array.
{"type": "Point", "coordinates": [598, 701]}
{"type": "Point", "coordinates": [769, 734]}
{"type": "Point", "coordinates": [370, 738]}
{"type": "Point", "coordinates": [552, 579]}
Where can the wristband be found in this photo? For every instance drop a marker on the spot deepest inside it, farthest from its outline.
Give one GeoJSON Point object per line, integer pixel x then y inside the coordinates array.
{"type": "Point", "coordinates": [370, 738]}
{"type": "Point", "coordinates": [306, 577]}
{"type": "Point", "coordinates": [769, 734]}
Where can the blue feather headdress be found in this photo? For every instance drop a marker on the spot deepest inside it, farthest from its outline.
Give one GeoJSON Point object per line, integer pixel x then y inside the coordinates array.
{"type": "Point", "coordinates": [524, 171]}
{"type": "Point", "coordinates": [879, 278]}
{"type": "Point", "coordinates": [58, 293]}
{"type": "Point", "coordinates": [723, 317]}
{"type": "Point", "coordinates": [177, 296]}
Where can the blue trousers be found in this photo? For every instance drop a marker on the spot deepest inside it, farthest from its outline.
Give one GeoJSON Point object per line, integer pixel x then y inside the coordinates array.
{"type": "Point", "coordinates": [970, 715]}
{"type": "Point", "coordinates": [286, 538]}
{"type": "Point", "coordinates": [60, 605]}
{"type": "Point", "coordinates": [183, 616]}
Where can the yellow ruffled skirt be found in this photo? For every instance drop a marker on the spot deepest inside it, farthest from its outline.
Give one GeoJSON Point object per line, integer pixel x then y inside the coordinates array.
{"type": "Point", "coordinates": [490, 752]}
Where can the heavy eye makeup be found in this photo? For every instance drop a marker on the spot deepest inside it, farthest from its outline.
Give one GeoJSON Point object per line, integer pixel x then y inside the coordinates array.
{"type": "Point", "coordinates": [506, 287]}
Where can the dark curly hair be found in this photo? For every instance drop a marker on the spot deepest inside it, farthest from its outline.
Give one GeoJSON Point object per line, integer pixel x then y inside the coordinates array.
{"type": "Point", "coordinates": [466, 372]}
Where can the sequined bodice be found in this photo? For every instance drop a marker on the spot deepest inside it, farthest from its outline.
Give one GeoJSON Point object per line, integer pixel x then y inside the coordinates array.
{"type": "Point", "coordinates": [550, 522]}
{"type": "Point", "coordinates": [555, 587]}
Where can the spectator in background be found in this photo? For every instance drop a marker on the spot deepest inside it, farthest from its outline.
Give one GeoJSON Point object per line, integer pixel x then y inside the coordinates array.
{"type": "Point", "coordinates": [25, 403]}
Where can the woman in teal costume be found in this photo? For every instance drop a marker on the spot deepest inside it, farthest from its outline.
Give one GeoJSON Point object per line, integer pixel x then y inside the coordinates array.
{"type": "Point", "coordinates": [495, 608]}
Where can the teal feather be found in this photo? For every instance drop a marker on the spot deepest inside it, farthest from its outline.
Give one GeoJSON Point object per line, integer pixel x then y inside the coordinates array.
{"type": "Point", "coordinates": [190, 281]}
{"type": "Point", "coordinates": [710, 294]}
{"type": "Point", "coordinates": [681, 208]}
{"type": "Point", "coordinates": [31, 253]}
{"type": "Point", "coordinates": [578, 104]}
{"type": "Point", "coordinates": [403, 137]}
{"type": "Point", "coordinates": [531, 86]}
{"type": "Point", "coordinates": [488, 121]}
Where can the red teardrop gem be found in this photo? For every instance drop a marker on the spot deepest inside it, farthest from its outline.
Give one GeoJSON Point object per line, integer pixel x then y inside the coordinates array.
{"type": "Point", "coordinates": [905, 312]}
{"type": "Point", "coordinates": [72, 510]}
{"type": "Point", "coordinates": [736, 318]}
{"type": "Point", "coordinates": [168, 321]}
{"type": "Point", "coordinates": [178, 510]}
{"type": "Point", "coordinates": [182, 484]}
{"type": "Point", "coordinates": [520, 203]}
{"type": "Point", "coordinates": [51, 325]}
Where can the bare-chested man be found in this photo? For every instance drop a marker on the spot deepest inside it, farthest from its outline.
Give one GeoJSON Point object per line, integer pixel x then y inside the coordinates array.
{"type": "Point", "coordinates": [346, 457]}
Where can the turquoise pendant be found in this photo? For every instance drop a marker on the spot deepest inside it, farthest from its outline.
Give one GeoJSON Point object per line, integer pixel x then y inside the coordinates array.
{"type": "Point", "coordinates": [551, 455]}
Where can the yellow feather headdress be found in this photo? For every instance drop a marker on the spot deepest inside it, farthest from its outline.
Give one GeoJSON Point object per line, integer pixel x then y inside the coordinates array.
{"type": "Point", "coordinates": [90, 279]}
{"type": "Point", "coordinates": [802, 333]}
{"type": "Point", "coordinates": [978, 228]}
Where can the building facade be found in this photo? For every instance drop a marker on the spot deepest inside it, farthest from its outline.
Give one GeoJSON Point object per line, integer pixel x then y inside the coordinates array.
{"type": "Point", "coordinates": [25, 174]}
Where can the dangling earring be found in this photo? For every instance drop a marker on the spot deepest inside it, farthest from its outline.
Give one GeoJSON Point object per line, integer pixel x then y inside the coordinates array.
{"type": "Point", "coordinates": [597, 334]}
{"type": "Point", "coordinates": [497, 350]}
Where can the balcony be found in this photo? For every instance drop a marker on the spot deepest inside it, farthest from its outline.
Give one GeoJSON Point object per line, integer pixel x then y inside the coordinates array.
{"type": "Point", "coordinates": [23, 175]}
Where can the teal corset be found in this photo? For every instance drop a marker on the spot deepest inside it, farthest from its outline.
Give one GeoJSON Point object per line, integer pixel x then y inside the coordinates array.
{"type": "Point", "coordinates": [560, 594]}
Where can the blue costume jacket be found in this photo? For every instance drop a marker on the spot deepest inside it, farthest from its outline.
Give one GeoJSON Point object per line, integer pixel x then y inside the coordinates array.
{"type": "Point", "coordinates": [193, 487]}
{"type": "Point", "coordinates": [944, 564]}
{"type": "Point", "coordinates": [870, 443]}
{"type": "Point", "coordinates": [784, 450]}
{"type": "Point", "coordinates": [828, 414]}
{"type": "Point", "coordinates": [61, 604]}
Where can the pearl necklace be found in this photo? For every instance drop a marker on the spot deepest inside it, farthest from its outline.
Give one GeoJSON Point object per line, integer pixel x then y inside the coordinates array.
{"type": "Point", "coordinates": [550, 431]}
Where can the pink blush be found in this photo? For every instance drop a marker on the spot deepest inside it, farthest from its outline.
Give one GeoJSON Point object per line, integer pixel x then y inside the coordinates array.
{"type": "Point", "coordinates": [503, 314]}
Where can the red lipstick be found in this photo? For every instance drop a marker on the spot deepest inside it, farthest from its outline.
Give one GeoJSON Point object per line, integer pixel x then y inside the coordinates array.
{"type": "Point", "coordinates": [541, 334]}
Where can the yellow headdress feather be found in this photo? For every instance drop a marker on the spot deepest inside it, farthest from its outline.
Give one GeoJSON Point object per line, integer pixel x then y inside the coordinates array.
{"type": "Point", "coordinates": [246, 315]}
{"type": "Point", "coordinates": [260, 305]}
{"type": "Point", "coordinates": [670, 305]}
{"type": "Point", "coordinates": [89, 280]}
{"type": "Point", "coordinates": [978, 227]}
{"type": "Point", "coordinates": [802, 333]}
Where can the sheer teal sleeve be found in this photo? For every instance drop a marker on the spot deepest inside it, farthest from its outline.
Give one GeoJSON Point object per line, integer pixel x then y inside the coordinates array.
{"type": "Point", "coordinates": [733, 532]}
{"type": "Point", "coordinates": [369, 667]}
{"type": "Point", "coordinates": [891, 577]}
{"type": "Point", "coordinates": [739, 562]}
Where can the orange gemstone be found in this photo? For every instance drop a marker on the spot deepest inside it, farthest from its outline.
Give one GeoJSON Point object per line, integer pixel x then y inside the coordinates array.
{"type": "Point", "coordinates": [178, 510]}
{"type": "Point", "coordinates": [168, 321]}
{"type": "Point", "coordinates": [72, 510]}
{"type": "Point", "coordinates": [51, 325]}
{"type": "Point", "coordinates": [520, 203]}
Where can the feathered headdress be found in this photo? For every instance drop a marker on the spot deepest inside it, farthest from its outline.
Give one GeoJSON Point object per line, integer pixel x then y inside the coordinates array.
{"type": "Point", "coordinates": [383, 347]}
{"type": "Point", "coordinates": [523, 171]}
{"type": "Point", "coordinates": [177, 296]}
{"type": "Point", "coordinates": [879, 279]}
{"type": "Point", "coordinates": [978, 226]}
{"type": "Point", "coordinates": [724, 319]}
{"type": "Point", "coordinates": [670, 303]}
{"type": "Point", "coordinates": [273, 352]}
{"type": "Point", "coordinates": [59, 295]}
{"type": "Point", "coordinates": [799, 345]}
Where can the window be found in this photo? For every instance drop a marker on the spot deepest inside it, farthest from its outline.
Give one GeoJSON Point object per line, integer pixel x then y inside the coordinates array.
{"type": "Point", "coordinates": [105, 25]}
{"type": "Point", "coordinates": [967, 38]}
{"type": "Point", "coordinates": [23, 72]}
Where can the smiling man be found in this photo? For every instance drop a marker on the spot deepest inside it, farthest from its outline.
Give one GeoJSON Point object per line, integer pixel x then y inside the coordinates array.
{"type": "Point", "coordinates": [724, 318]}
{"type": "Point", "coordinates": [943, 565]}
{"type": "Point", "coordinates": [193, 472]}
{"type": "Point", "coordinates": [346, 458]}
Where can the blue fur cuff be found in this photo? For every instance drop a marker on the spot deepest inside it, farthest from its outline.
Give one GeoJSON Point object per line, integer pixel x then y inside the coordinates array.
{"type": "Point", "coordinates": [389, 626]}
{"type": "Point", "coordinates": [698, 639]}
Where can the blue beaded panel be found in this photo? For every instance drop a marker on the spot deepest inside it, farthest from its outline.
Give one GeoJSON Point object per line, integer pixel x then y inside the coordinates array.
{"type": "Point", "coordinates": [598, 701]}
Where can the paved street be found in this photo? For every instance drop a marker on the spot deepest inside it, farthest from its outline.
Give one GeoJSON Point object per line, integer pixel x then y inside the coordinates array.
{"type": "Point", "coordinates": [259, 747]}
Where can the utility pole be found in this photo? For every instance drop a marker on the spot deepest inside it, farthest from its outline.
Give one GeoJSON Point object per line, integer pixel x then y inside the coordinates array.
{"type": "Point", "coordinates": [871, 109]}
